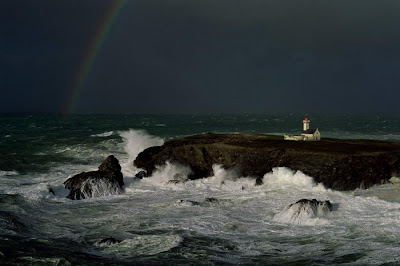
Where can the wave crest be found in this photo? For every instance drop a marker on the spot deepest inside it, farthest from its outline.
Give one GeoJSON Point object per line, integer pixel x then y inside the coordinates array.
{"type": "Point", "coordinates": [285, 178]}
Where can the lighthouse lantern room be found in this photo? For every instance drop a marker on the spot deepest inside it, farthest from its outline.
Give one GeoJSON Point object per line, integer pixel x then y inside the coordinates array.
{"type": "Point", "coordinates": [306, 123]}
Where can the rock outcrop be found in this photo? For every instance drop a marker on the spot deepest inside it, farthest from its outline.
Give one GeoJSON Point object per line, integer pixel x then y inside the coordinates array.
{"type": "Point", "coordinates": [303, 210]}
{"type": "Point", "coordinates": [107, 180]}
{"type": "Point", "coordinates": [338, 164]}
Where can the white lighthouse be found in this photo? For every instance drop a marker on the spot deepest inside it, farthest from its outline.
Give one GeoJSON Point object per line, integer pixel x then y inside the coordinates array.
{"type": "Point", "coordinates": [308, 133]}
{"type": "Point", "coordinates": [306, 123]}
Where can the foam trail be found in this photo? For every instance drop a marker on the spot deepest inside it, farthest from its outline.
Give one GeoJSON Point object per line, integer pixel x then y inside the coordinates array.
{"type": "Point", "coordinates": [136, 141]}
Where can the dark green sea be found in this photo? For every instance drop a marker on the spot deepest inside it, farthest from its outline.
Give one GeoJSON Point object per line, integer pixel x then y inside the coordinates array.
{"type": "Point", "coordinates": [155, 220]}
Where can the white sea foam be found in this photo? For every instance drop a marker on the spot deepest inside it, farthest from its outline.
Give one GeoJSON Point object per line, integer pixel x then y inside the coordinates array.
{"type": "Point", "coordinates": [136, 141]}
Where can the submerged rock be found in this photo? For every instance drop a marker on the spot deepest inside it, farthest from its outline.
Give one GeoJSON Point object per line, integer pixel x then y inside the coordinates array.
{"type": "Point", "coordinates": [173, 181]}
{"type": "Point", "coordinates": [208, 202]}
{"type": "Point", "coordinates": [141, 174]}
{"type": "Point", "coordinates": [51, 191]}
{"type": "Point", "coordinates": [259, 181]}
{"type": "Point", "coordinates": [187, 203]}
{"type": "Point", "coordinates": [338, 164]}
{"type": "Point", "coordinates": [211, 200]}
{"type": "Point", "coordinates": [107, 180]}
{"type": "Point", "coordinates": [320, 207]}
{"type": "Point", "coordinates": [303, 210]}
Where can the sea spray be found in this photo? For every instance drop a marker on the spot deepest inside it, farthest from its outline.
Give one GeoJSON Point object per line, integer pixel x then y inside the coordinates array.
{"type": "Point", "coordinates": [170, 173]}
{"type": "Point", "coordinates": [225, 178]}
{"type": "Point", "coordinates": [283, 178]}
{"type": "Point", "coordinates": [135, 141]}
{"type": "Point", "coordinates": [221, 174]}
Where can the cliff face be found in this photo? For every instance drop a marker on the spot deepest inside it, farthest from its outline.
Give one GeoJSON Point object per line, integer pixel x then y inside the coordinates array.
{"type": "Point", "coordinates": [338, 164]}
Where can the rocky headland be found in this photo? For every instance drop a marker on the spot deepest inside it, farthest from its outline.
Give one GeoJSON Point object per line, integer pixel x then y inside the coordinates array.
{"type": "Point", "coordinates": [338, 164]}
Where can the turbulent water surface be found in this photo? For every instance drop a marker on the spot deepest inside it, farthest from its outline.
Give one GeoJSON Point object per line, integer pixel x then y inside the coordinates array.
{"type": "Point", "coordinates": [223, 219]}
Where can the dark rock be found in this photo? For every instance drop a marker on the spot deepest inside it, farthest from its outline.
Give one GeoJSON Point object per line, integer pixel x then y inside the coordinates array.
{"type": "Point", "coordinates": [188, 202]}
{"type": "Point", "coordinates": [173, 182]}
{"type": "Point", "coordinates": [141, 175]}
{"type": "Point", "coordinates": [108, 179]}
{"type": "Point", "coordinates": [108, 242]}
{"type": "Point", "coordinates": [208, 202]}
{"type": "Point", "coordinates": [51, 191]}
{"type": "Point", "coordinates": [211, 200]}
{"type": "Point", "coordinates": [338, 164]}
{"type": "Point", "coordinates": [259, 181]}
{"type": "Point", "coordinates": [110, 164]}
{"type": "Point", "coordinates": [315, 204]}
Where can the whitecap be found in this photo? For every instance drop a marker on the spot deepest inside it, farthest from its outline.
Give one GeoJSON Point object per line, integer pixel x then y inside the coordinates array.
{"type": "Point", "coordinates": [8, 173]}
{"type": "Point", "coordinates": [105, 134]}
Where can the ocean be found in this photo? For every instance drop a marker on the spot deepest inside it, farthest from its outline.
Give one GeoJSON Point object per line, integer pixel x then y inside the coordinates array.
{"type": "Point", "coordinates": [222, 219]}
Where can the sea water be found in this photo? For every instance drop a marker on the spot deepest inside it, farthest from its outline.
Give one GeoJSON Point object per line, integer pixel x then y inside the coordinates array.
{"type": "Point", "coordinates": [222, 219]}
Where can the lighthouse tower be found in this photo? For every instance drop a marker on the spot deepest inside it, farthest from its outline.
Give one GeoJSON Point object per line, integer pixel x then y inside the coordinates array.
{"type": "Point", "coordinates": [306, 123]}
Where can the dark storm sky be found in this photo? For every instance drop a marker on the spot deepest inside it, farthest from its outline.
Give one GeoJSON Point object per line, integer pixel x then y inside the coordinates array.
{"type": "Point", "coordinates": [186, 56]}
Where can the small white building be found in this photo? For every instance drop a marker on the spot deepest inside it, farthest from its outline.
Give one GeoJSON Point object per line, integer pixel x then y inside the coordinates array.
{"type": "Point", "coordinates": [308, 134]}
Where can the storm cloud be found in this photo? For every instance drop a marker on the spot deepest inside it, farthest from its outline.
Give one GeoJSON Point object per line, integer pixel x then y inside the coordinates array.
{"type": "Point", "coordinates": [204, 56]}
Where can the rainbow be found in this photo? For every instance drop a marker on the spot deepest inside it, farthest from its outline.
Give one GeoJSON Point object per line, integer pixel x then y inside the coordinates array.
{"type": "Point", "coordinates": [91, 53]}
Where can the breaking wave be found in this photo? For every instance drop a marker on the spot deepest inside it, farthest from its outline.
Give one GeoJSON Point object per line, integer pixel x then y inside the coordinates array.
{"type": "Point", "coordinates": [283, 178]}
{"type": "Point", "coordinates": [170, 173]}
{"type": "Point", "coordinates": [135, 141]}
